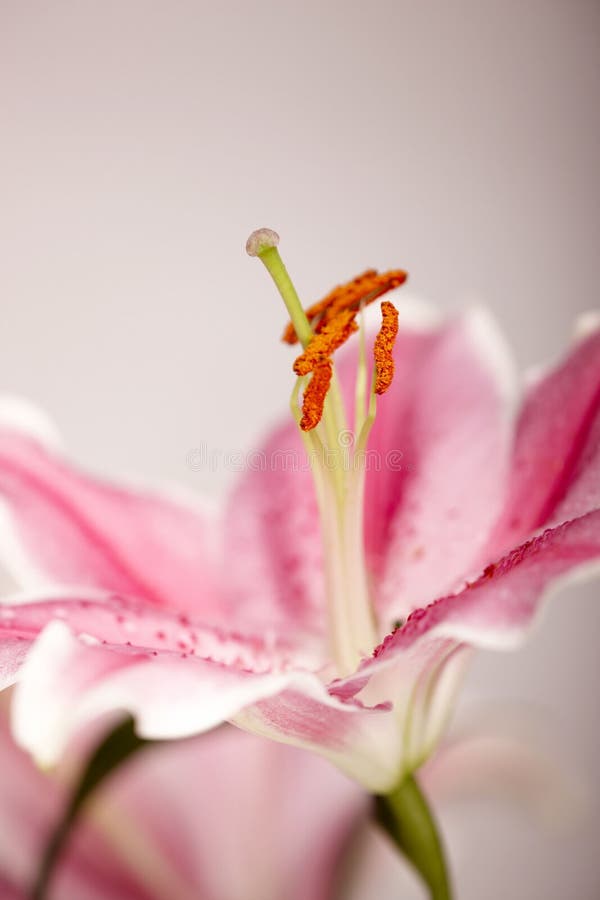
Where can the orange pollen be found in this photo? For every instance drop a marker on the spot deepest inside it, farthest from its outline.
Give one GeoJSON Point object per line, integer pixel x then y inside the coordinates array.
{"type": "Point", "coordinates": [383, 350]}
{"type": "Point", "coordinates": [314, 396]}
{"type": "Point", "coordinates": [361, 290]}
{"type": "Point", "coordinates": [324, 344]}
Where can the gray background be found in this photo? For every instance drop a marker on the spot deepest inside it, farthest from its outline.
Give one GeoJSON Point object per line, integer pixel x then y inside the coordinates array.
{"type": "Point", "coordinates": [142, 141]}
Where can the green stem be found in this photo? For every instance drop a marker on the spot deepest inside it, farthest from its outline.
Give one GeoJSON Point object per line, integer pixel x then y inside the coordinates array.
{"type": "Point", "coordinates": [406, 817]}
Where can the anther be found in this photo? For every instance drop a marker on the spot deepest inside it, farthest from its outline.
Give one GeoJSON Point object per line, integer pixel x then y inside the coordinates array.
{"type": "Point", "coordinates": [315, 312]}
{"type": "Point", "coordinates": [323, 345]}
{"type": "Point", "coordinates": [362, 290]}
{"type": "Point", "coordinates": [383, 350]}
{"type": "Point", "coordinates": [314, 396]}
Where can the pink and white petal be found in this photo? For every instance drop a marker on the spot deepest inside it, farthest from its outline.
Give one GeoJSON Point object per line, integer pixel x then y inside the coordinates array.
{"type": "Point", "coordinates": [420, 666]}
{"type": "Point", "coordinates": [112, 620]}
{"type": "Point", "coordinates": [400, 713]}
{"type": "Point", "coordinates": [583, 493]}
{"type": "Point", "coordinates": [554, 472]}
{"type": "Point", "coordinates": [497, 610]}
{"type": "Point", "coordinates": [109, 640]}
{"type": "Point", "coordinates": [20, 415]}
{"type": "Point", "coordinates": [13, 652]}
{"type": "Point", "coordinates": [422, 683]}
{"type": "Point", "coordinates": [67, 682]}
{"type": "Point", "coordinates": [273, 539]}
{"type": "Point", "coordinates": [442, 438]}
{"type": "Point", "coordinates": [79, 530]}
{"type": "Point", "coordinates": [365, 742]}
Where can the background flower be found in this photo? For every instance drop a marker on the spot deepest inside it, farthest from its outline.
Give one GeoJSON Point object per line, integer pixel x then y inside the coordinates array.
{"type": "Point", "coordinates": [226, 817]}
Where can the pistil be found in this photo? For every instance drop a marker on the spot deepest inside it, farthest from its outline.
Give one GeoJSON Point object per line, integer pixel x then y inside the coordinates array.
{"type": "Point", "coordinates": [263, 243]}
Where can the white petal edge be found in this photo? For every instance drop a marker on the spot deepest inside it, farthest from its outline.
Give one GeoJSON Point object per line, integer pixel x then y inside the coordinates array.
{"type": "Point", "coordinates": [586, 324]}
{"type": "Point", "coordinates": [415, 313]}
{"type": "Point", "coordinates": [19, 414]}
{"type": "Point", "coordinates": [15, 559]}
{"type": "Point", "coordinates": [494, 353]}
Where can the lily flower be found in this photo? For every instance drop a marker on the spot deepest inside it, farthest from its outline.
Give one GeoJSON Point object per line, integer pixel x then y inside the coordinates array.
{"type": "Point", "coordinates": [223, 817]}
{"type": "Point", "coordinates": [335, 605]}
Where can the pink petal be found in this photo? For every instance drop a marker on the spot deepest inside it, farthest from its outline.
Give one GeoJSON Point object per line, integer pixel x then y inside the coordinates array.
{"type": "Point", "coordinates": [13, 651]}
{"type": "Point", "coordinates": [118, 622]}
{"type": "Point", "coordinates": [364, 742]}
{"type": "Point", "coordinates": [556, 460]}
{"type": "Point", "coordinates": [131, 646]}
{"type": "Point", "coordinates": [237, 816]}
{"type": "Point", "coordinates": [83, 531]}
{"type": "Point", "coordinates": [224, 816]}
{"type": "Point", "coordinates": [274, 540]}
{"type": "Point", "coordinates": [10, 891]}
{"type": "Point", "coordinates": [441, 439]}
{"type": "Point", "coordinates": [387, 721]}
{"type": "Point", "coordinates": [496, 610]}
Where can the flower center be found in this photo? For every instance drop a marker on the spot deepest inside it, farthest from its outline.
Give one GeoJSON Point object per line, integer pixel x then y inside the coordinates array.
{"type": "Point", "coordinates": [338, 455]}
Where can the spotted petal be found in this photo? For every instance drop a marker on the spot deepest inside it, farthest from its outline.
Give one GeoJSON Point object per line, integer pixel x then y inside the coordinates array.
{"type": "Point", "coordinates": [101, 654]}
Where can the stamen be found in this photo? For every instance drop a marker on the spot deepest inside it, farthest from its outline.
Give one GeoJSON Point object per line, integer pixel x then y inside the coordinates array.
{"type": "Point", "coordinates": [315, 312]}
{"type": "Point", "coordinates": [339, 467]}
{"type": "Point", "coordinates": [384, 347]}
{"type": "Point", "coordinates": [361, 290]}
{"type": "Point", "coordinates": [323, 345]}
{"type": "Point", "coordinates": [314, 396]}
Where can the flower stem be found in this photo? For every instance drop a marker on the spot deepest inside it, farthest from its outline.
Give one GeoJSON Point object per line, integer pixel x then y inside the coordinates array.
{"type": "Point", "coordinates": [405, 815]}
